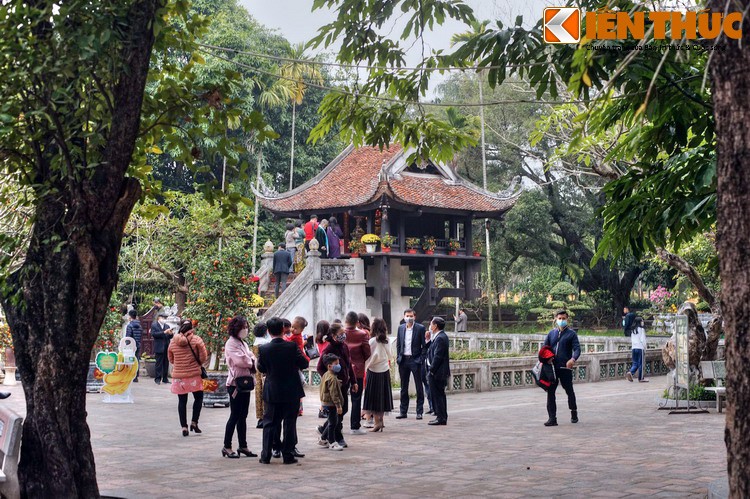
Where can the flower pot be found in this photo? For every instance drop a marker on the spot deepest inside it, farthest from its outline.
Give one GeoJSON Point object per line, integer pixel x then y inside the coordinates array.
{"type": "Point", "coordinates": [476, 253]}
{"type": "Point", "coordinates": [385, 249]}
{"type": "Point", "coordinates": [94, 381]}
{"type": "Point", "coordinates": [452, 253]}
{"type": "Point", "coordinates": [215, 389]}
{"type": "Point", "coordinates": [354, 255]}
{"type": "Point", "coordinates": [151, 367]}
{"type": "Point", "coordinates": [370, 248]}
{"type": "Point", "coordinates": [429, 252]}
{"type": "Point", "coordinates": [411, 251]}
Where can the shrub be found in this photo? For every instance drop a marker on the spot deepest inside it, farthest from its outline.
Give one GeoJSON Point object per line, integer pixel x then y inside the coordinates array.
{"type": "Point", "coordinates": [562, 290]}
{"type": "Point", "coordinates": [703, 307]}
{"type": "Point", "coordinates": [413, 242]}
{"type": "Point", "coordinates": [370, 239]}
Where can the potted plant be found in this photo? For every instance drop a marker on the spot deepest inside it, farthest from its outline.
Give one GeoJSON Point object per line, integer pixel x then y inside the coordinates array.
{"type": "Point", "coordinates": [412, 244]}
{"type": "Point", "coordinates": [476, 253]}
{"type": "Point", "coordinates": [453, 246]}
{"type": "Point", "coordinates": [354, 248]}
{"type": "Point", "coordinates": [150, 363]}
{"type": "Point", "coordinates": [386, 242]}
{"type": "Point", "coordinates": [371, 242]}
{"type": "Point", "coordinates": [428, 245]}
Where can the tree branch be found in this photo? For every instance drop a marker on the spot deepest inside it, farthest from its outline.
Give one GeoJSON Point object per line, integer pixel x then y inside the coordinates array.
{"type": "Point", "coordinates": [169, 275]}
{"type": "Point", "coordinates": [682, 266]}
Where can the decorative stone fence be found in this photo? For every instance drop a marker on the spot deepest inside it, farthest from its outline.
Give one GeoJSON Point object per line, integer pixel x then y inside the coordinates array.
{"type": "Point", "coordinates": [515, 372]}
{"type": "Point", "coordinates": [519, 344]}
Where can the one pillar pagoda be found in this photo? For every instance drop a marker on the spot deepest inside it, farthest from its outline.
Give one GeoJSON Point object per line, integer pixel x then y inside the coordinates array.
{"type": "Point", "coordinates": [379, 192]}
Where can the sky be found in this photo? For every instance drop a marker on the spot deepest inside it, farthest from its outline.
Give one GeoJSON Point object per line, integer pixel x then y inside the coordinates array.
{"type": "Point", "coordinates": [296, 22]}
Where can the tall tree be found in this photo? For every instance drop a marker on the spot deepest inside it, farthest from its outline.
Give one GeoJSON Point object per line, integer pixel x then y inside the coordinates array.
{"type": "Point", "coordinates": [731, 108]}
{"type": "Point", "coordinates": [78, 134]}
{"type": "Point", "coordinates": [298, 71]}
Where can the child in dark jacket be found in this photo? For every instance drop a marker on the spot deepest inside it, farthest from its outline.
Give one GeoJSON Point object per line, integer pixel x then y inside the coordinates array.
{"type": "Point", "coordinates": [332, 399]}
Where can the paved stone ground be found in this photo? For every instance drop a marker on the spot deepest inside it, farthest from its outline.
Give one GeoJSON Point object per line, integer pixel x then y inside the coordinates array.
{"type": "Point", "coordinates": [494, 446]}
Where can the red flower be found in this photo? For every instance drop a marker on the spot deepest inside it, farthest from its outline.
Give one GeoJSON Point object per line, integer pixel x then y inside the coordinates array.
{"type": "Point", "coordinates": [255, 278]}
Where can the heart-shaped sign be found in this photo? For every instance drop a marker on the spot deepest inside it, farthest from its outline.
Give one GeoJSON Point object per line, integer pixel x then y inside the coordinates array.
{"type": "Point", "coordinates": [106, 361]}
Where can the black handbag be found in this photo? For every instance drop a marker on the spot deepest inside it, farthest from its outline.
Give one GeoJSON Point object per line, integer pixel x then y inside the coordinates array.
{"type": "Point", "coordinates": [245, 383]}
{"type": "Point", "coordinates": [204, 374]}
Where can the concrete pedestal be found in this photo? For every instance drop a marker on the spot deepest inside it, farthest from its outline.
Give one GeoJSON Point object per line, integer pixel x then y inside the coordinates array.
{"type": "Point", "coordinates": [10, 376]}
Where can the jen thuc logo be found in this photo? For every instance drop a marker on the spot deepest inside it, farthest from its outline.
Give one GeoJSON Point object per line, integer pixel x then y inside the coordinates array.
{"type": "Point", "coordinates": [563, 25]}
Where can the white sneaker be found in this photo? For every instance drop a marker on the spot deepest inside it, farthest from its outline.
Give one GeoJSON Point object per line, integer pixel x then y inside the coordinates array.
{"type": "Point", "coordinates": [368, 424]}
{"type": "Point", "coordinates": [358, 431]}
{"type": "Point", "coordinates": [323, 443]}
{"type": "Point", "coordinates": [335, 446]}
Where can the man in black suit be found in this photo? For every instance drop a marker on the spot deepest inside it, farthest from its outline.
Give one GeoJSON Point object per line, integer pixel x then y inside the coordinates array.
{"type": "Point", "coordinates": [281, 362]}
{"type": "Point", "coordinates": [161, 333]}
{"type": "Point", "coordinates": [440, 371]}
{"type": "Point", "coordinates": [282, 265]}
{"type": "Point", "coordinates": [410, 350]}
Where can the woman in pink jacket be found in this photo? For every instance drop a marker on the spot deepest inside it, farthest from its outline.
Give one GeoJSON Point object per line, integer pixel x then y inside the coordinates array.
{"type": "Point", "coordinates": [241, 362]}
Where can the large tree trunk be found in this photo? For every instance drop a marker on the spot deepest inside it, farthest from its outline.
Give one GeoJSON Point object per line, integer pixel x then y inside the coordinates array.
{"type": "Point", "coordinates": [730, 89]}
{"type": "Point", "coordinates": [56, 302]}
{"type": "Point", "coordinates": [65, 296]}
{"type": "Point", "coordinates": [682, 266]}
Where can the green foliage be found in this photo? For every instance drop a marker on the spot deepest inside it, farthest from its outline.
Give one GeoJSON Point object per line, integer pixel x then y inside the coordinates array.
{"type": "Point", "coordinates": [703, 306]}
{"type": "Point", "coordinates": [562, 290]}
{"type": "Point", "coordinates": [366, 121]}
{"type": "Point", "coordinates": [222, 287]}
{"type": "Point", "coordinates": [600, 304]}
{"type": "Point", "coordinates": [466, 355]}
{"type": "Point", "coordinates": [111, 330]}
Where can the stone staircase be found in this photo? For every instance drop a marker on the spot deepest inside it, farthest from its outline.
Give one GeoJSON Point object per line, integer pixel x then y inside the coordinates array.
{"type": "Point", "coordinates": [325, 289]}
{"type": "Point", "coordinates": [270, 294]}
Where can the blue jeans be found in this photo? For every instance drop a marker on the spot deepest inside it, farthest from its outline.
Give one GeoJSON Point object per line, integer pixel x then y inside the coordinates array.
{"type": "Point", "coordinates": [637, 363]}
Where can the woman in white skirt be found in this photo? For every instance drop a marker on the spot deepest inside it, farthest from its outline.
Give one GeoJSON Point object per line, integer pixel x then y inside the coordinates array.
{"type": "Point", "coordinates": [378, 398]}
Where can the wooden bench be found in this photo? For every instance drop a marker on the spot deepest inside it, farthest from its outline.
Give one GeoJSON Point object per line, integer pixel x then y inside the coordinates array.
{"type": "Point", "coordinates": [10, 444]}
{"type": "Point", "coordinates": [715, 370]}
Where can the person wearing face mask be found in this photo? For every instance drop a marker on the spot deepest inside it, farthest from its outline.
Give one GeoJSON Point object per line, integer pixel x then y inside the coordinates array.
{"type": "Point", "coordinates": [337, 345]}
{"type": "Point", "coordinates": [162, 334]}
{"type": "Point", "coordinates": [241, 362]}
{"type": "Point", "coordinates": [410, 350]}
{"type": "Point", "coordinates": [438, 361]}
{"type": "Point", "coordinates": [564, 342]}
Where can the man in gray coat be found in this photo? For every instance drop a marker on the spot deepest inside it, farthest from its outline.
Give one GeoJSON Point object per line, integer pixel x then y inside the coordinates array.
{"type": "Point", "coordinates": [462, 321]}
{"type": "Point", "coordinates": [282, 264]}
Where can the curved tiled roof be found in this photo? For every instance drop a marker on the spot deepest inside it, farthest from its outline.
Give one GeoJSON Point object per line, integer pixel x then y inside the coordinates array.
{"type": "Point", "coordinates": [354, 179]}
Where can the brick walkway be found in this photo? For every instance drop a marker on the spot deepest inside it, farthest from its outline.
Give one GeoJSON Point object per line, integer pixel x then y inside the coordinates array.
{"type": "Point", "coordinates": [494, 446]}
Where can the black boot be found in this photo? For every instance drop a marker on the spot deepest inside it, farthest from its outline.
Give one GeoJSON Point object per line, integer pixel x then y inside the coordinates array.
{"type": "Point", "coordinates": [573, 416]}
{"type": "Point", "coordinates": [551, 422]}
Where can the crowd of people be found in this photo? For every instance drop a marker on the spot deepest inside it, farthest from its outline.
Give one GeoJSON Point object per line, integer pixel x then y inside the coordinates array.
{"type": "Point", "coordinates": [354, 362]}
{"type": "Point", "coordinates": [289, 255]}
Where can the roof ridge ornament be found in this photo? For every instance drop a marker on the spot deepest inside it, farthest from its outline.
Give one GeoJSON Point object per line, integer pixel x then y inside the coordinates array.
{"type": "Point", "coordinates": [384, 176]}
{"type": "Point", "coordinates": [266, 191]}
{"type": "Point", "coordinates": [513, 189]}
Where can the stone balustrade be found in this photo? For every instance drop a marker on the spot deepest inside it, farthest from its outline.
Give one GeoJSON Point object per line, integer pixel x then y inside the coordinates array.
{"type": "Point", "coordinates": [515, 372]}
{"type": "Point", "coordinates": [519, 344]}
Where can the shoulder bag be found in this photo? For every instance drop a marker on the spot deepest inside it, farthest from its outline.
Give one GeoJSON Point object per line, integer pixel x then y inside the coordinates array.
{"type": "Point", "coordinates": [244, 384]}
{"type": "Point", "coordinates": [204, 374]}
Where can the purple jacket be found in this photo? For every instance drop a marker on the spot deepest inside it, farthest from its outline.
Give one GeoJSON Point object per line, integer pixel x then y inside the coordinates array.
{"type": "Point", "coordinates": [334, 236]}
